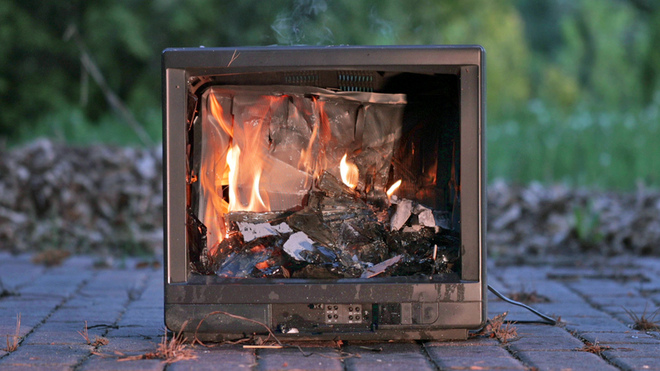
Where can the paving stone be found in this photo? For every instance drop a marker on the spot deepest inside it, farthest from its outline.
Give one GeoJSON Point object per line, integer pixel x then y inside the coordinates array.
{"type": "Point", "coordinates": [113, 364]}
{"type": "Point", "coordinates": [566, 309]}
{"type": "Point", "coordinates": [476, 341]}
{"type": "Point", "coordinates": [97, 302]}
{"type": "Point", "coordinates": [30, 305]}
{"type": "Point", "coordinates": [608, 338]}
{"type": "Point", "coordinates": [603, 288]}
{"type": "Point", "coordinates": [634, 350]}
{"type": "Point", "coordinates": [138, 331]}
{"type": "Point", "coordinates": [18, 275]}
{"type": "Point", "coordinates": [295, 359]}
{"type": "Point", "coordinates": [472, 357]}
{"type": "Point", "coordinates": [222, 357]}
{"type": "Point", "coordinates": [594, 324]}
{"type": "Point", "coordinates": [637, 363]}
{"type": "Point", "coordinates": [56, 302]}
{"type": "Point", "coordinates": [567, 360]}
{"type": "Point", "coordinates": [93, 316]}
{"type": "Point", "coordinates": [62, 333]}
{"type": "Point", "coordinates": [142, 317]}
{"type": "Point", "coordinates": [23, 367]}
{"type": "Point", "coordinates": [46, 355]}
{"type": "Point", "coordinates": [534, 330]}
{"type": "Point", "coordinates": [128, 345]}
{"type": "Point", "coordinates": [566, 342]}
{"type": "Point", "coordinates": [619, 302]}
{"type": "Point", "coordinates": [394, 356]}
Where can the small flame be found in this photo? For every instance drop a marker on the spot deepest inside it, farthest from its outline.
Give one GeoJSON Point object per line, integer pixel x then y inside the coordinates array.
{"type": "Point", "coordinates": [349, 173]}
{"type": "Point", "coordinates": [256, 195]}
{"type": "Point", "coordinates": [393, 188]}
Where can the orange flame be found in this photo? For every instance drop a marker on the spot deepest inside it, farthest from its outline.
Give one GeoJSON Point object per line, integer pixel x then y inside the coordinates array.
{"type": "Point", "coordinates": [393, 188]}
{"type": "Point", "coordinates": [213, 172]}
{"type": "Point", "coordinates": [349, 173]}
{"type": "Point", "coordinates": [216, 111]}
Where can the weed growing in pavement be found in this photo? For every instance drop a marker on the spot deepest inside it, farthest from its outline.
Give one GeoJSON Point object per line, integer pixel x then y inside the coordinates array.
{"type": "Point", "coordinates": [98, 341]}
{"type": "Point", "coordinates": [170, 351]}
{"type": "Point", "coordinates": [13, 344]}
{"type": "Point", "coordinates": [644, 323]}
{"type": "Point", "coordinates": [528, 297]}
{"type": "Point", "coordinates": [594, 348]}
{"type": "Point", "coordinates": [499, 328]}
{"type": "Point", "coordinates": [85, 334]}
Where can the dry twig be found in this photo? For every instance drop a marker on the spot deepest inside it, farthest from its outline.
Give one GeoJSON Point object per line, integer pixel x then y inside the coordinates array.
{"type": "Point", "coordinates": [233, 57]}
{"type": "Point", "coordinates": [85, 334]}
{"type": "Point", "coordinates": [270, 332]}
{"type": "Point", "coordinates": [258, 342]}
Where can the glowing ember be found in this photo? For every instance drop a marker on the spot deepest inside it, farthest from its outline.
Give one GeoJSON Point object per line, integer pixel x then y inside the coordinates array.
{"type": "Point", "coordinates": [349, 173]}
{"type": "Point", "coordinates": [393, 188]}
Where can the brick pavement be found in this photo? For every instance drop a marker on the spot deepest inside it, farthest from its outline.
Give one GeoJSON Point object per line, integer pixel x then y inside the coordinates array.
{"type": "Point", "coordinates": [124, 305]}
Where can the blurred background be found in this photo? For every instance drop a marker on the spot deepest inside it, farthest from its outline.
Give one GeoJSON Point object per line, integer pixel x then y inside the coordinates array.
{"type": "Point", "coordinates": [573, 102]}
{"type": "Point", "coordinates": [572, 85]}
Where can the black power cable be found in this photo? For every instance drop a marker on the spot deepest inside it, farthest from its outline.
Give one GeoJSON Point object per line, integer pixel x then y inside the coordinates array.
{"type": "Point", "coordinates": [548, 320]}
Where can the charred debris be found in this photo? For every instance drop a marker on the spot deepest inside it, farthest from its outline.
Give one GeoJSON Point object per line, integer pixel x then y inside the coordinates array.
{"type": "Point", "coordinates": [292, 139]}
{"type": "Point", "coordinates": [337, 233]}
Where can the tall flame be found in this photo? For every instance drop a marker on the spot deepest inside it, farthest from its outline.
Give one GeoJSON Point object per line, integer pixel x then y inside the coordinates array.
{"type": "Point", "coordinates": [213, 170]}
{"type": "Point", "coordinates": [232, 179]}
{"type": "Point", "coordinates": [349, 173]}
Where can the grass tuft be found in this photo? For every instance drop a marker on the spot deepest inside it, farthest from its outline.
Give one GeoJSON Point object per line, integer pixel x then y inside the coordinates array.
{"type": "Point", "coordinates": [644, 322]}
{"type": "Point", "coordinates": [500, 329]}
{"type": "Point", "coordinates": [171, 351]}
{"type": "Point", "coordinates": [594, 348]}
{"type": "Point", "coordinates": [12, 345]}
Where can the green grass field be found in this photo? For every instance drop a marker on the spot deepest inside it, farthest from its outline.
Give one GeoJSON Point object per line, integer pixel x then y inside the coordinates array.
{"type": "Point", "coordinates": [584, 148]}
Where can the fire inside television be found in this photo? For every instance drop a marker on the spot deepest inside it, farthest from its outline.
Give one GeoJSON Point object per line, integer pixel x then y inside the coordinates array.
{"type": "Point", "coordinates": [325, 192]}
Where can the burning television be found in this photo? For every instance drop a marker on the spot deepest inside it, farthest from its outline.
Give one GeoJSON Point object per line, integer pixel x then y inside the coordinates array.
{"type": "Point", "coordinates": [324, 191]}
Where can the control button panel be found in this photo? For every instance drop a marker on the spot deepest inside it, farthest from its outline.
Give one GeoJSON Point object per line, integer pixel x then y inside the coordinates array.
{"type": "Point", "coordinates": [345, 313]}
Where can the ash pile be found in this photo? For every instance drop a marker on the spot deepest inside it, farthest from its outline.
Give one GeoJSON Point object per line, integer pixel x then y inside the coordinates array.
{"type": "Point", "coordinates": [338, 232]}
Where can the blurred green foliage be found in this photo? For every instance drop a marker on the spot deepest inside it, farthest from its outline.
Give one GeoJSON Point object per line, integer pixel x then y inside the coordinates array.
{"type": "Point", "coordinates": [572, 85]}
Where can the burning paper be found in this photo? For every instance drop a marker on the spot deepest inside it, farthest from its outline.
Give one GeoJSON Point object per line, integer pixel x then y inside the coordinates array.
{"type": "Point", "coordinates": [295, 182]}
